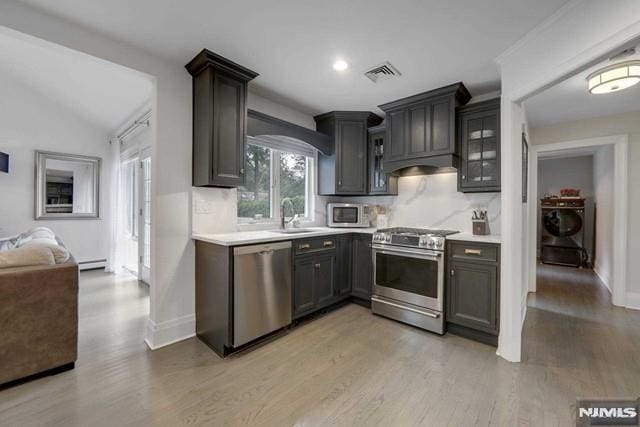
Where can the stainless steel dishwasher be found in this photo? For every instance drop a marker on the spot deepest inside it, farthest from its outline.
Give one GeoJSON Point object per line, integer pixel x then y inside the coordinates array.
{"type": "Point", "coordinates": [261, 290]}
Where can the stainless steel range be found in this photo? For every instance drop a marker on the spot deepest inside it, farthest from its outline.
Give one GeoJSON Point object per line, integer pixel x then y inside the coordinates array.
{"type": "Point", "coordinates": [408, 286]}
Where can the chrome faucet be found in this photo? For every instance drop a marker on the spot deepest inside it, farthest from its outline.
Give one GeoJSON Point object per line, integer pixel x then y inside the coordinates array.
{"type": "Point", "coordinates": [283, 221]}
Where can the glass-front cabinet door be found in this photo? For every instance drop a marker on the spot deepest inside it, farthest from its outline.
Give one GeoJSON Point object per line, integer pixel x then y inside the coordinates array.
{"type": "Point", "coordinates": [380, 183]}
{"type": "Point", "coordinates": [479, 132]}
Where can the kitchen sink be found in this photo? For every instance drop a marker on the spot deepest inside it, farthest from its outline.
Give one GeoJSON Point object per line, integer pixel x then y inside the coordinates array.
{"type": "Point", "coordinates": [293, 231]}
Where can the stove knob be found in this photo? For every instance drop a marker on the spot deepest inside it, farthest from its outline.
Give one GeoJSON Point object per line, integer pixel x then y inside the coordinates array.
{"type": "Point", "coordinates": [387, 238]}
{"type": "Point", "coordinates": [439, 244]}
{"type": "Point", "coordinates": [431, 243]}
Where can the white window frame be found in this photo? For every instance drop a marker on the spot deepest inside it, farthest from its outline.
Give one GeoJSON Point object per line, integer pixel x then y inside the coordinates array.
{"type": "Point", "coordinates": [274, 193]}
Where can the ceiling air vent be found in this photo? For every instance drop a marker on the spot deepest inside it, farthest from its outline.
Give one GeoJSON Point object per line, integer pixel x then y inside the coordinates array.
{"type": "Point", "coordinates": [382, 72]}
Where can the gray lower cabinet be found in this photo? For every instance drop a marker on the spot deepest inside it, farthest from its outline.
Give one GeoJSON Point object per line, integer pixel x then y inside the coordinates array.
{"type": "Point", "coordinates": [472, 307]}
{"type": "Point", "coordinates": [329, 270]}
{"type": "Point", "coordinates": [314, 275]}
{"type": "Point", "coordinates": [362, 267]}
{"type": "Point", "coordinates": [313, 283]}
{"type": "Point", "coordinates": [343, 264]}
{"type": "Point", "coordinates": [304, 298]}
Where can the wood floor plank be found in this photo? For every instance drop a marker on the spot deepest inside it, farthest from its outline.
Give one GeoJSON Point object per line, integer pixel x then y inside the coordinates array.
{"type": "Point", "coordinates": [347, 367]}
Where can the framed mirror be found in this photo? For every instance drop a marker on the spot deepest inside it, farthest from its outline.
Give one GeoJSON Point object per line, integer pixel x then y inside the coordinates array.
{"type": "Point", "coordinates": [67, 186]}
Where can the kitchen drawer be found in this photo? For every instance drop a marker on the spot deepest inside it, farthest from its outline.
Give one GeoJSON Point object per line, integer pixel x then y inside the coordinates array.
{"type": "Point", "coordinates": [307, 246]}
{"type": "Point", "coordinates": [485, 252]}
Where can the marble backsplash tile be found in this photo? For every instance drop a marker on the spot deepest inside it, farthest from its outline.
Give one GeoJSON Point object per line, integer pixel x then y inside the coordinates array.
{"type": "Point", "coordinates": [433, 201]}
{"type": "Point", "coordinates": [428, 201]}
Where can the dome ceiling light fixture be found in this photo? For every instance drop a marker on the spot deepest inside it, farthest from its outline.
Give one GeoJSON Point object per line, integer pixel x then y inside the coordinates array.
{"type": "Point", "coordinates": [614, 77]}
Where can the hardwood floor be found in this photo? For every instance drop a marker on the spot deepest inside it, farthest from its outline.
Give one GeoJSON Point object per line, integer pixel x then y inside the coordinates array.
{"type": "Point", "coordinates": [348, 367]}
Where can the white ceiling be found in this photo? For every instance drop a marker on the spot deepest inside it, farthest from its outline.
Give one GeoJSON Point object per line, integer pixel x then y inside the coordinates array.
{"type": "Point", "coordinates": [98, 91]}
{"type": "Point", "coordinates": [570, 100]}
{"type": "Point", "coordinates": [293, 44]}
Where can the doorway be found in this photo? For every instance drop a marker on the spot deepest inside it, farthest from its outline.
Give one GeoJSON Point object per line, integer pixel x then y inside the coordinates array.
{"type": "Point", "coordinates": [608, 225]}
{"type": "Point", "coordinates": [133, 228]}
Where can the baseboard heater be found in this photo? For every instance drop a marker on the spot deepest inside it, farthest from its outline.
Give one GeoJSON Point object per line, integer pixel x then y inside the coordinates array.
{"type": "Point", "coordinates": [92, 265]}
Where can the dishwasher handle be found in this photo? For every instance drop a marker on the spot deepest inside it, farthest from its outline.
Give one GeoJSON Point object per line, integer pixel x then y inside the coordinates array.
{"type": "Point", "coordinates": [261, 249]}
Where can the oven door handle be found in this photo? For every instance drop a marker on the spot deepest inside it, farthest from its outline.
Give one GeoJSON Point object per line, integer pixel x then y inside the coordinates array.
{"type": "Point", "coordinates": [415, 310]}
{"type": "Point", "coordinates": [410, 253]}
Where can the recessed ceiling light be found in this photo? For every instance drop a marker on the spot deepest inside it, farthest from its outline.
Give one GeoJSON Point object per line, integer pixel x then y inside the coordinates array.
{"type": "Point", "coordinates": [614, 77]}
{"type": "Point", "coordinates": [340, 65]}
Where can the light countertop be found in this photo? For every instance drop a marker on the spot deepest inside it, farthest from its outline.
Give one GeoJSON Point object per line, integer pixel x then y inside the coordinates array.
{"type": "Point", "coordinates": [247, 237]}
{"type": "Point", "coordinates": [468, 237]}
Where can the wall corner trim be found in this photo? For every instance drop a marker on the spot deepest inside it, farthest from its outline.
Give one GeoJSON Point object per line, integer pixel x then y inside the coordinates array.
{"type": "Point", "coordinates": [633, 300]}
{"type": "Point", "coordinates": [170, 332]}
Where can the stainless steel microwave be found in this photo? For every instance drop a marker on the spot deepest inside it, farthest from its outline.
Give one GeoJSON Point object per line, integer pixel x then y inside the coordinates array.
{"type": "Point", "coordinates": [348, 215]}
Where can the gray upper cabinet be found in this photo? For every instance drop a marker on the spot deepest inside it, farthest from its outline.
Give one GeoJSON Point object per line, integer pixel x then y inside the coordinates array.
{"type": "Point", "coordinates": [219, 120]}
{"type": "Point", "coordinates": [380, 183]}
{"type": "Point", "coordinates": [479, 139]}
{"type": "Point", "coordinates": [423, 127]}
{"type": "Point", "coordinates": [345, 171]}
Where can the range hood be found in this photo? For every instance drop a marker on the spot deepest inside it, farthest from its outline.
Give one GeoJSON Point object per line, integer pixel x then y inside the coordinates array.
{"type": "Point", "coordinates": [421, 131]}
{"type": "Point", "coordinates": [426, 165]}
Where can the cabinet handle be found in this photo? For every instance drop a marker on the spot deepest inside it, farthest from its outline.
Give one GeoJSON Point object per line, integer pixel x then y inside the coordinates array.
{"type": "Point", "coordinates": [339, 182]}
{"type": "Point", "coordinates": [453, 272]}
{"type": "Point", "coordinates": [317, 265]}
{"type": "Point", "coordinates": [473, 251]}
{"type": "Point", "coordinates": [464, 177]}
{"type": "Point", "coordinates": [304, 246]}
{"type": "Point", "coordinates": [328, 243]}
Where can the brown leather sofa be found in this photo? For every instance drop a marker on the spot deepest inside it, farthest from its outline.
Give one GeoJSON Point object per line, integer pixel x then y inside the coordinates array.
{"type": "Point", "coordinates": [38, 320]}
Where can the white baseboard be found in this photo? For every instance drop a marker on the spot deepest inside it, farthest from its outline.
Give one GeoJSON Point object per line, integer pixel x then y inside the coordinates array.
{"type": "Point", "coordinates": [170, 332]}
{"type": "Point", "coordinates": [606, 280]}
{"type": "Point", "coordinates": [633, 300]}
{"type": "Point", "coordinates": [92, 265]}
{"type": "Point", "coordinates": [524, 310]}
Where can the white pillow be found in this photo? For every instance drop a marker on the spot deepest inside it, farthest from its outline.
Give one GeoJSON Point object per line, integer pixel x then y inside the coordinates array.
{"type": "Point", "coordinates": [60, 254]}
{"type": "Point", "coordinates": [41, 232]}
{"type": "Point", "coordinates": [9, 243]}
{"type": "Point", "coordinates": [26, 256]}
{"type": "Point", "coordinates": [35, 233]}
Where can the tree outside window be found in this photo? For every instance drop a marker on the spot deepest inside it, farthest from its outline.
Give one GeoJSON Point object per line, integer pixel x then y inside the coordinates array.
{"type": "Point", "coordinates": [272, 175]}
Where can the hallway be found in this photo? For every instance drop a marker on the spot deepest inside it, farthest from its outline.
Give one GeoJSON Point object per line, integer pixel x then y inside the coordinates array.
{"type": "Point", "coordinates": [574, 331]}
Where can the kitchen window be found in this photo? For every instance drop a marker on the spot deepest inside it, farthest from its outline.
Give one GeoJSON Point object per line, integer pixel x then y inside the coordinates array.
{"type": "Point", "coordinates": [276, 168]}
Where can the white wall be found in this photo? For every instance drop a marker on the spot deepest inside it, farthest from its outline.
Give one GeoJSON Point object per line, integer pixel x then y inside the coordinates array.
{"type": "Point", "coordinates": [570, 172]}
{"type": "Point", "coordinates": [603, 193]}
{"type": "Point", "coordinates": [29, 122]}
{"type": "Point", "coordinates": [570, 38]}
{"type": "Point", "coordinates": [172, 250]}
{"type": "Point", "coordinates": [563, 44]}
{"type": "Point", "coordinates": [628, 123]}
{"type": "Point", "coordinates": [215, 209]}
{"type": "Point", "coordinates": [433, 201]}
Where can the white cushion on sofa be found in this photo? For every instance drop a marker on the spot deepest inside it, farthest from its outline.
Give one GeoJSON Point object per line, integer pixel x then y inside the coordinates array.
{"type": "Point", "coordinates": [60, 253]}
{"type": "Point", "coordinates": [27, 256]}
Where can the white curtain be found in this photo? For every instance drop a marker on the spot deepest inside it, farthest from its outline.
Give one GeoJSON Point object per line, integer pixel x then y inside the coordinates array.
{"type": "Point", "coordinates": [114, 260]}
